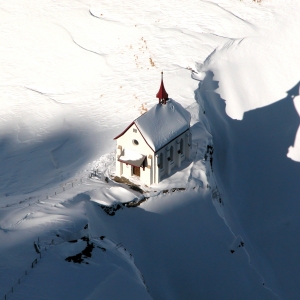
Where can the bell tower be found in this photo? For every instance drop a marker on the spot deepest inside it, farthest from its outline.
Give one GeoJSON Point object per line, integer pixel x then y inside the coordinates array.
{"type": "Point", "coordinates": [162, 95]}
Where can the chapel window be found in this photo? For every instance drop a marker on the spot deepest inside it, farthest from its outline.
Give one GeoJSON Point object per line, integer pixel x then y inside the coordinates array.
{"type": "Point", "coordinates": [171, 153]}
{"type": "Point", "coordinates": [181, 146]}
{"type": "Point", "coordinates": [161, 161]}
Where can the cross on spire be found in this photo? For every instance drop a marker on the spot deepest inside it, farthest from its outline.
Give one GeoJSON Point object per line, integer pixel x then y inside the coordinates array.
{"type": "Point", "coordinates": [162, 95]}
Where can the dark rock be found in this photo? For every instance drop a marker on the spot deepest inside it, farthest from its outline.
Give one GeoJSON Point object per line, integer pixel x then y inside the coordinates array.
{"type": "Point", "coordinates": [73, 241]}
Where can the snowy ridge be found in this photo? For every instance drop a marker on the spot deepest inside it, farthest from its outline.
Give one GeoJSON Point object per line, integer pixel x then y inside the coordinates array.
{"type": "Point", "coordinates": [254, 188]}
{"type": "Point", "coordinates": [74, 74]}
{"type": "Point", "coordinates": [218, 198]}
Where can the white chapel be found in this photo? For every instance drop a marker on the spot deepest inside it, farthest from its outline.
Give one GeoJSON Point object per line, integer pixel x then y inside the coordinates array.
{"type": "Point", "coordinates": [156, 142]}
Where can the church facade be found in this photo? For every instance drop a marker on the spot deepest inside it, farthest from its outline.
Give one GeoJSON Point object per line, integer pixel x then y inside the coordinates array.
{"type": "Point", "coordinates": [156, 142]}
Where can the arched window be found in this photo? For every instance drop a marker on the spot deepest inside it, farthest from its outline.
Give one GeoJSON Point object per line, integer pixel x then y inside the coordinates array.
{"type": "Point", "coordinates": [161, 161]}
{"type": "Point", "coordinates": [171, 153]}
{"type": "Point", "coordinates": [181, 146]}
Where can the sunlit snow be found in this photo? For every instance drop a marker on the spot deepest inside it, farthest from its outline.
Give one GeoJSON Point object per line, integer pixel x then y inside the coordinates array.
{"type": "Point", "coordinates": [222, 226]}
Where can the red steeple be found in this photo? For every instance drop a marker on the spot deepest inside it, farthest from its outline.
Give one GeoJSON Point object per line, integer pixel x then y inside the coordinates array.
{"type": "Point", "coordinates": [162, 94]}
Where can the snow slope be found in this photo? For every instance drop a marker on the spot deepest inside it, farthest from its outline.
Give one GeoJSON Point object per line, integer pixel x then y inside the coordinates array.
{"type": "Point", "coordinates": [258, 183]}
{"type": "Point", "coordinates": [256, 166]}
{"type": "Point", "coordinates": [189, 254]}
{"type": "Point", "coordinates": [75, 74]}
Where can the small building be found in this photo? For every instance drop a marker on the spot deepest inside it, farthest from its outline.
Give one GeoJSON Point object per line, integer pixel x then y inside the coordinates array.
{"type": "Point", "coordinates": [156, 142]}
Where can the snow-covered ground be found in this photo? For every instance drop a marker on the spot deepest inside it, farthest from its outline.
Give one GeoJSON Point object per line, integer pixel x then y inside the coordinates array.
{"type": "Point", "coordinates": [76, 74]}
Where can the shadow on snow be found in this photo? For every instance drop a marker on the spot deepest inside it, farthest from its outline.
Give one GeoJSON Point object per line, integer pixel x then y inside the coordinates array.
{"type": "Point", "coordinates": [259, 182]}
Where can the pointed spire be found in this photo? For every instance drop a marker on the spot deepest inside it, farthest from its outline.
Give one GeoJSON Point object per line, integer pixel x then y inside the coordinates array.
{"type": "Point", "coordinates": [162, 94]}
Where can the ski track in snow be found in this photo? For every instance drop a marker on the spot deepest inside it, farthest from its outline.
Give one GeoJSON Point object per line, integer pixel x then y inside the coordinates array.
{"type": "Point", "coordinates": [43, 94]}
{"type": "Point", "coordinates": [231, 13]}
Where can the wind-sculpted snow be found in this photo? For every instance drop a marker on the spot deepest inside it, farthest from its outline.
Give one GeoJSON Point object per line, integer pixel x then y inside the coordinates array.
{"type": "Point", "coordinates": [258, 183]}
{"type": "Point", "coordinates": [73, 75]}
{"type": "Point", "coordinates": [258, 70]}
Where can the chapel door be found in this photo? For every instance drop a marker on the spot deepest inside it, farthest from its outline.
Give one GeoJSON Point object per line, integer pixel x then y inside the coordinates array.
{"type": "Point", "coordinates": [136, 171]}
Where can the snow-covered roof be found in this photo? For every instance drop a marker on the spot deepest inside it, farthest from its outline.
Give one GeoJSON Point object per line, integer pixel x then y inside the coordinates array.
{"type": "Point", "coordinates": [162, 123]}
{"type": "Point", "coordinates": [132, 157]}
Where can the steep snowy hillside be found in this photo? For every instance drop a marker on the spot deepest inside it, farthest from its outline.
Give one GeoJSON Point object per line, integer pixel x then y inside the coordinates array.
{"type": "Point", "coordinates": [256, 157]}
{"type": "Point", "coordinates": [74, 75]}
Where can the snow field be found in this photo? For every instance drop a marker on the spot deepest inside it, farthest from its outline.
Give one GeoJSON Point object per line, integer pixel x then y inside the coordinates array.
{"type": "Point", "coordinates": [74, 75]}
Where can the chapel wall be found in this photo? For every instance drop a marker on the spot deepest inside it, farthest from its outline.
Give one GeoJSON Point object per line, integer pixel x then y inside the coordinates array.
{"type": "Point", "coordinates": [153, 172]}
{"type": "Point", "coordinates": [166, 166]}
{"type": "Point", "coordinates": [126, 142]}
